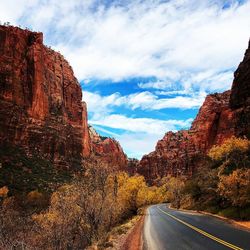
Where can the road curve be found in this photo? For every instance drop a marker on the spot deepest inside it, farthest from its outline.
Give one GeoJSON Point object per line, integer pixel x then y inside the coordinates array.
{"type": "Point", "coordinates": [171, 229]}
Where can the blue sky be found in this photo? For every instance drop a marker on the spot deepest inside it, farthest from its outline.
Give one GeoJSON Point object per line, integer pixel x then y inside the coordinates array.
{"type": "Point", "coordinates": [145, 67]}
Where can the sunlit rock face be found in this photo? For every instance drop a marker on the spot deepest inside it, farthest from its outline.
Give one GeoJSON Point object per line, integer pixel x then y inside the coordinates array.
{"type": "Point", "coordinates": [220, 117]}
{"type": "Point", "coordinates": [41, 106]}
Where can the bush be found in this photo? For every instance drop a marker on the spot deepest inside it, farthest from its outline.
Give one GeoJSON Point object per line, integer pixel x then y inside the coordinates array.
{"type": "Point", "coordinates": [224, 182]}
{"type": "Point", "coordinates": [93, 205]}
{"type": "Point", "coordinates": [230, 212]}
{"type": "Point", "coordinates": [236, 187]}
{"type": "Point", "coordinates": [231, 155]}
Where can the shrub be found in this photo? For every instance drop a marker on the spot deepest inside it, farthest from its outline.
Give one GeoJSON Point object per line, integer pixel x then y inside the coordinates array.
{"type": "Point", "coordinates": [236, 187]}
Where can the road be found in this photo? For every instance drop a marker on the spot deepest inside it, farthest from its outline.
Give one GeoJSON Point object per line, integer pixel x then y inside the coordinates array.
{"type": "Point", "coordinates": [167, 228]}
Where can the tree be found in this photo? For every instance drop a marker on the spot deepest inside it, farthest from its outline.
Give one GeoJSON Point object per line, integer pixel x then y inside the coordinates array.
{"type": "Point", "coordinates": [174, 186]}
{"type": "Point", "coordinates": [231, 155]}
{"type": "Point", "coordinates": [236, 187]}
{"type": "Point", "coordinates": [222, 152]}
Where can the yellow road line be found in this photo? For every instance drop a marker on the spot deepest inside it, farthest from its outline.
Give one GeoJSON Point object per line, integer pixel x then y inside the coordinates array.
{"type": "Point", "coordinates": [203, 232]}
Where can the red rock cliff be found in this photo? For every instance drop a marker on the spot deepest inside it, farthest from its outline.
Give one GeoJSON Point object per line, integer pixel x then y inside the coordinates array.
{"type": "Point", "coordinates": [220, 117]}
{"type": "Point", "coordinates": [41, 108]}
{"type": "Point", "coordinates": [107, 150]}
{"type": "Point", "coordinates": [40, 99]}
{"type": "Point", "coordinates": [240, 97]}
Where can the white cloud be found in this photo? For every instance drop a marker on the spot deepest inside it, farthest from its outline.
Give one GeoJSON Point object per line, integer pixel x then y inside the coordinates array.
{"type": "Point", "coordinates": [146, 125]}
{"type": "Point", "coordinates": [141, 134]}
{"type": "Point", "coordinates": [11, 11]}
{"type": "Point", "coordinates": [159, 84]}
{"type": "Point", "coordinates": [169, 40]}
{"type": "Point", "coordinates": [137, 144]}
{"type": "Point", "coordinates": [101, 105]}
{"type": "Point", "coordinates": [207, 81]}
{"type": "Point", "coordinates": [149, 101]}
{"type": "Point", "coordinates": [143, 100]}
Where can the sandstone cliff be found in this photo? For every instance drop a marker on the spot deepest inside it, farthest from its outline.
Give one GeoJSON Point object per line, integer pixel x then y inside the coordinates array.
{"type": "Point", "coordinates": [107, 150]}
{"type": "Point", "coordinates": [41, 108]}
{"type": "Point", "coordinates": [240, 97]}
{"type": "Point", "coordinates": [220, 117]}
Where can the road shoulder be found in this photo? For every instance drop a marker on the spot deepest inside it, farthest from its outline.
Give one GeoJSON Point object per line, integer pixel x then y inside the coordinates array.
{"type": "Point", "coordinates": [134, 239]}
{"type": "Point", "coordinates": [245, 225]}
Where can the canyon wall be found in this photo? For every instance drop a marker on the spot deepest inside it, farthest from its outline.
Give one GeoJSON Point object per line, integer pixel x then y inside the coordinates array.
{"type": "Point", "coordinates": [220, 117]}
{"type": "Point", "coordinates": [41, 108]}
{"type": "Point", "coordinates": [107, 150]}
{"type": "Point", "coordinates": [240, 96]}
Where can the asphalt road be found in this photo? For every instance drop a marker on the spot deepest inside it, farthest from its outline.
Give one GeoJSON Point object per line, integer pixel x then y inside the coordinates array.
{"type": "Point", "coordinates": [166, 228]}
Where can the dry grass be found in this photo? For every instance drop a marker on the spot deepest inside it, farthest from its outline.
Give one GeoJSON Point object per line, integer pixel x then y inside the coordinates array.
{"type": "Point", "coordinates": [118, 235]}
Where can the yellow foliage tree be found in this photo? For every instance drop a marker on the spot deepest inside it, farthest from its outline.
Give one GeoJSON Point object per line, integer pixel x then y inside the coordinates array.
{"type": "Point", "coordinates": [86, 209]}
{"type": "Point", "coordinates": [236, 187]}
{"type": "Point", "coordinates": [174, 186]}
{"type": "Point", "coordinates": [220, 152]}
{"type": "Point", "coordinates": [231, 155]}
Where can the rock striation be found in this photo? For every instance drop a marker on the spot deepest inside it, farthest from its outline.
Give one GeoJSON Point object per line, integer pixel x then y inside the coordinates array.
{"type": "Point", "coordinates": [220, 117]}
{"type": "Point", "coordinates": [41, 108]}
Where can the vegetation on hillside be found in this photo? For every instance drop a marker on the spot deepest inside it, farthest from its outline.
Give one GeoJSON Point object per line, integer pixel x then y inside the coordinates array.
{"type": "Point", "coordinates": [221, 186]}
{"type": "Point", "coordinates": [79, 212]}
{"type": "Point", "coordinates": [51, 210]}
{"type": "Point", "coordinates": [23, 174]}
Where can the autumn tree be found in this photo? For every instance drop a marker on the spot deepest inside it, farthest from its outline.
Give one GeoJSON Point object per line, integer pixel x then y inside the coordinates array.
{"type": "Point", "coordinates": [236, 187]}
{"type": "Point", "coordinates": [174, 186]}
{"type": "Point", "coordinates": [231, 155]}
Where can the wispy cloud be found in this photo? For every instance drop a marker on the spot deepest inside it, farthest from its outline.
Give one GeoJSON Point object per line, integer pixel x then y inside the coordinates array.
{"type": "Point", "coordinates": [138, 135]}
{"type": "Point", "coordinates": [146, 125]}
{"type": "Point", "coordinates": [116, 40]}
{"type": "Point", "coordinates": [143, 100]}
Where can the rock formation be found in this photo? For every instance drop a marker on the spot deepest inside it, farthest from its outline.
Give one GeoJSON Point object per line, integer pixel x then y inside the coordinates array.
{"type": "Point", "coordinates": [107, 150]}
{"type": "Point", "coordinates": [220, 117]}
{"type": "Point", "coordinates": [41, 108]}
{"type": "Point", "coordinates": [131, 168]}
{"type": "Point", "coordinates": [240, 96]}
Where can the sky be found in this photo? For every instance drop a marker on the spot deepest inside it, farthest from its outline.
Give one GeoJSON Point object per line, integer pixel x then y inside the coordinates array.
{"type": "Point", "coordinates": [145, 67]}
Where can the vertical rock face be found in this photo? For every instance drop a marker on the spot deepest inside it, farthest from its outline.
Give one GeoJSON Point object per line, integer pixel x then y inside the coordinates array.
{"type": "Point", "coordinates": [214, 123]}
{"type": "Point", "coordinates": [40, 99]}
{"type": "Point", "coordinates": [220, 117]}
{"type": "Point", "coordinates": [41, 108]}
{"type": "Point", "coordinates": [107, 150]}
{"type": "Point", "coordinates": [240, 97]}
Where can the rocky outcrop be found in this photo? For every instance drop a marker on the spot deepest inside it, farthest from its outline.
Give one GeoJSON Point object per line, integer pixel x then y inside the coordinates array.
{"type": "Point", "coordinates": [220, 117]}
{"type": "Point", "coordinates": [132, 165]}
{"type": "Point", "coordinates": [107, 150]}
{"type": "Point", "coordinates": [41, 108]}
{"type": "Point", "coordinates": [178, 153]}
{"type": "Point", "coordinates": [40, 99]}
{"type": "Point", "coordinates": [240, 97]}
